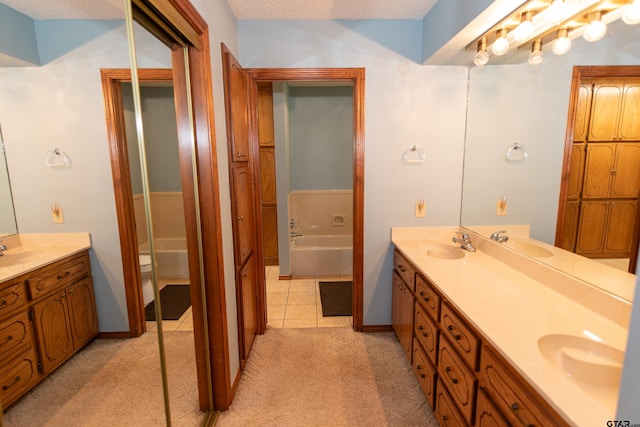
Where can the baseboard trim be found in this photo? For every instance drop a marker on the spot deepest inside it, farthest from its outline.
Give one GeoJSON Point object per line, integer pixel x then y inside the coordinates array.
{"type": "Point", "coordinates": [114, 335]}
{"type": "Point", "coordinates": [284, 277]}
{"type": "Point", "coordinates": [377, 328]}
{"type": "Point", "coordinates": [234, 386]}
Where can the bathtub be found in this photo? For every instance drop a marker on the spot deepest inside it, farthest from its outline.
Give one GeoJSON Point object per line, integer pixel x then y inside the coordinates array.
{"type": "Point", "coordinates": [325, 255]}
{"type": "Point", "coordinates": [171, 256]}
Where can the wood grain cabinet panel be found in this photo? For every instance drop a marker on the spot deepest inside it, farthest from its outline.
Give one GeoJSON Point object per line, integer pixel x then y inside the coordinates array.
{"type": "Point", "coordinates": [82, 312]}
{"type": "Point", "coordinates": [16, 335]}
{"type": "Point", "coordinates": [53, 327]}
{"type": "Point", "coordinates": [625, 175]}
{"type": "Point", "coordinates": [620, 227]}
{"type": "Point", "coordinates": [265, 114]}
{"type": "Point", "coordinates": [243, 214]}
{"type": "Point", "coordinates": [598, 171]}
{"type": "Point", "coordinates": [405, 269]}
{"type": "Point", "coordinates": [458, 379]}
{"type": "Point", "coordinates": [425, 372]}
{"type": "Point", "coordinates": [583, 113]}
{"type": "Point", "coordinates": [446, 412]}
{"type": "Point", "coordinates": [12, 297]}
{"type": "Point", "coordinates": [574, 187]}
{"type": "Point", "coordinates": [606, 228]}
{"type": "Point", "coordinates": [487, 414]}
{"type": "Point", "coordinates": [570, 225]}
{"type": "Point", "coordinates": [249, 313]}
{"type": "Point", "coordinates": [605, 110]}
{"type": "Point", "coordinates": [237, 113]}
{"type": "Point", "coordinates": [629, 126]}
{"type": "Point", "coordinates": [18, 375]}
{"type": "Point", "coordinates": [57, 275]}
{"type": "Point", "coordinates": [426, 333]}
{"type": "Point", "coordinates": [428, 297]}
{"type": "Point", "coordinates": [461, 336]}
{"type": "Point", "coordinates": [402, 314]}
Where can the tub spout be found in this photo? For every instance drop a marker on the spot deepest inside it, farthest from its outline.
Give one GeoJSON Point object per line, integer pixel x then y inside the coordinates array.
{"type": "Point", "coordinates": [292, 234]}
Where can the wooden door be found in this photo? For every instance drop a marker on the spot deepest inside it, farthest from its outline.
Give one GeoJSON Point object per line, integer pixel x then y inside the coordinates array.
{"type": "Point", "coordinates": [629, 127]}
{"type": "Point", "coordinates": [53, 327]}
{"type": "Point", "coordinates": [249, 315]}
{"type": "Point", "coordinates": [598, 170]}
{"type": "Point", "coordinates": [620, 226]}
{"type": "Point", "coordinates": [82, 312]}
{"type": "Point", "coordinates": [607, 98]}
{"type": "Point", "coordinates": [626, 171]}
{"type": "Point", "coordinates": [593, 220]}
{"type": "Point", "coordinates": [237, 122]}
{"type": "Point", "coordinates": [243, 214]}
{"type": "Point", "coordinates": [571, 217]}
{"type": "Point", "coordinates": [583, 113]}
{"type": "Point", "coordinates": [576, 175]}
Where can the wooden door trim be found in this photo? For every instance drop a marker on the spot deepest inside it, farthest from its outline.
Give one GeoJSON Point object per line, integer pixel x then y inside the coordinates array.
{"type": "Point", "coordinates": [356, 76]}
{"type": "Point", "coordinates": [579, 74]}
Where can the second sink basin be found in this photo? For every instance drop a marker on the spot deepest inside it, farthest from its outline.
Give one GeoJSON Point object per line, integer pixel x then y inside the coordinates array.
{"type": "Point", "coordinates": [442, 251]}
{"type": "Point", "coordinates": [530, 249]}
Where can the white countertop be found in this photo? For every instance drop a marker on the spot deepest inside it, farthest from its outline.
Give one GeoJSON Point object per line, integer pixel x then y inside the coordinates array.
{"type": "Point", "coordinates": [28, 252]}
{"type": "Point", "coordinates": [513, 311]}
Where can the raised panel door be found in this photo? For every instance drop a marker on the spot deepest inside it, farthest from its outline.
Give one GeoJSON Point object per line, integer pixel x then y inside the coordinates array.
{"type": "Point", "coordinates": [53, 328]}
{"type": "Point", "coordinates": [620, 226]}
{"type": "Point", "coordinates": [583, 111]}
{"type": "Point", "coordinates": [593, 219]}
{"type": "Point", "coordinates": [236, 100]}
{"type": "Point", "coordinates": [606, 103]}
{"type": "Point", "coordinates": [270, 234]}
{"type": "Point", "coordinates": [82, 312]}
{"type": "Point", "coordinates": [598, 171]}
{"type": "Point", "coordinates": [570, 225]}
{"type": "Point", "coordinates": [626, 171]}
{"type": "Point", "coordinates": [243, 214]}
{"type": "Point", "coordinates": [576, 175]}
{"type": "Point", "coordinates": [265, 115]}
{"type": "Point", "coordinates": [406, 321]}
{"type": "Point", "coordinates": [268, 175]}
{"type": "Point", "coordinates": [487, 414]}
{"type": "Point", "coordinates": [249, 315]}
{"type": "Point", "coordinates": [629, 129]}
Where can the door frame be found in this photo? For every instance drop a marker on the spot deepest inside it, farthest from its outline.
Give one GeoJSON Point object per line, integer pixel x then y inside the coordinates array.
{"type": "Point", "coordinates": [356, 76]}
{"type": "Point", "coordinates": [579, 73]}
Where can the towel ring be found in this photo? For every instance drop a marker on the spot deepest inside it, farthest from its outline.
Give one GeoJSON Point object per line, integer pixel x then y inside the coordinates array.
{"type": "Point", "coordinates": [56, 159]}
{"type": "Point", "coordinates": [413, 155]}
{"type": "Point", "coordinates": [516, 153]}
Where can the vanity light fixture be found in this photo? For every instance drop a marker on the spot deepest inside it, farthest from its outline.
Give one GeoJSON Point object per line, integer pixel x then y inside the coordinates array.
{"type": "Point", "coordinates": [631, 15]}
{"type": "Point", "coordinates": [596, 29]}
{"type": "Point", "coordinates": [481, 57]}
{"type": "Point", "coordinates": [562, 43]}
{"type": "Point", "coordinates": [524, 31]}
{"type": "Point", "coordinates": [536, 56]}
{"type": "Point", "coordinates": [557, 12]}
{"type": "Point", "coordinates": [501, 45]}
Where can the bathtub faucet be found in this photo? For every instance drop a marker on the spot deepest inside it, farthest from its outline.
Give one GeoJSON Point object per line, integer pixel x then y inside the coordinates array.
{"type": "Point", "coordinates": [292, 234]}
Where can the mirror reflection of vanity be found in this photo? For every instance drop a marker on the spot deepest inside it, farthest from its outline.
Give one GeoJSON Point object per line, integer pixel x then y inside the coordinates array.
{"type": "Point", "coordinates": [528, 105]}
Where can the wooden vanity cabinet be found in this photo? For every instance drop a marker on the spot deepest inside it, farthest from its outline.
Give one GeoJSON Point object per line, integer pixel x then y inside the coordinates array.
{"type": "Point", "coordinates": [425, 372]}
{"type": "Point", "coordinates": [45, 317]}
{"type": "Point", "coordinates": [402, 314]}
{"type": "Point", "coordinates": [487, 414]}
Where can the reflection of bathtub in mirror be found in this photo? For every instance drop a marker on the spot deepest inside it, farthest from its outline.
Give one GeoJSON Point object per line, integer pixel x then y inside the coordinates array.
{"type": "Point", "coordinates": [171, 257]}
{"type": "Point", "coordinates": [324, 255]}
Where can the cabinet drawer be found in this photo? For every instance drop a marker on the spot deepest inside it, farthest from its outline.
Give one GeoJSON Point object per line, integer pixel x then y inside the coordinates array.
{"type": "Point", "coordinates": [461, 336]}
{"type": "Point", "coordinates": [428, 297]}
{"type": "Point", "coordinates": [12, 297]}
{"type": "Point", "coordinates": [487, 415]}
{"type": "Point", "coordinates": [510, 396]}
{"type": "Point", "coordinates": [17, 376]}
{"type": "Point", "coordinates": [405, 269]}
{"type": "Point", "coordinates": [446, 412]}
{"type": "Point", "coordinates": [58, 275]}
{"type": "Point", "coordinates": [458, 379]}
{"type": "Point", "coordinates": [16, 336]}
{"type": "Point", "coordinates": [427, 334]}
{"type": "Point", "coordinates": [425, 372]}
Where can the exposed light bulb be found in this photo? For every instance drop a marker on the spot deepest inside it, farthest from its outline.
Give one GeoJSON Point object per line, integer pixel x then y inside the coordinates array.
{"type": "Point", "coordinates": [501, 45]}
{"type": "Point", "coordinates": [557, 12]}
{"type": "Point", "coordinates": [631, 15]}
{"type": "Point", "coordinates": [562, 43]}
{"type": "Point", "coordinates": [481, 57]}
{"type": "Point", "coordinates": [524, 31]}
{"type": "Point", "coordinates": [536, 56]}
{"type": "Point", "coordinates": [596, 29]}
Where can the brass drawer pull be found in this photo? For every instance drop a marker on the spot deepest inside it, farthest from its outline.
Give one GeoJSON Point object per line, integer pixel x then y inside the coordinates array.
{"type": "Point", "coordinates": [63, 275]}
{"type": "Point", "coordinates": [419, 368]}
{"type": "Point", "coordinates": [3, 303]}
{"type": "Point", "coordinates": [449, 372]}
{"type": "Point", "coordinates": [424, 334]}
{"type": "Point", "coordinates": [516, 411]}
{"type": "Point", "coordinates": [424, 296]}
{"type": "Point", "coordinates": [6, 387]}
{"type": "Point", "coordinates": [450, 328]}
{"type": "Point", "coordinates": [401, 269]}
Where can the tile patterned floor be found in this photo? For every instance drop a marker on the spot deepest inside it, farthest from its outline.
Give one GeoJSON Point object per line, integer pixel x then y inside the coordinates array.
{"type": "Point", "coordinates": [296, 303]}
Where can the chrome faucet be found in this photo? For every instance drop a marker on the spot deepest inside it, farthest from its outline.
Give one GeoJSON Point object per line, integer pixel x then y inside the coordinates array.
{"type": "Point", "coordinates": [465, 242]}
{"type": "Point", "coordinates": [3, 248]}
{"type": "Point", "coordinates": [498, 238]}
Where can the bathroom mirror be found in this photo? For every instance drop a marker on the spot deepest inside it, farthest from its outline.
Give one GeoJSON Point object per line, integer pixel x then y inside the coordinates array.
{"type": "Point", "coordinates": [528, 105]}
{"type": "Point", "coordinates": [8, 224]}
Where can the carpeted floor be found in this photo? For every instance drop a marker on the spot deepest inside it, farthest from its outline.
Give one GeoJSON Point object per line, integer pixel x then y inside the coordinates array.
{"type": "Point", "coordinates": [115, 383]}
{"type": "Point", "coordinates": [327, 377]}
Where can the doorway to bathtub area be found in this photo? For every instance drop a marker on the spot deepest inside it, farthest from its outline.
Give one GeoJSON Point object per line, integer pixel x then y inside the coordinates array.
{"type": "Point", "coordinates": [309, 268]}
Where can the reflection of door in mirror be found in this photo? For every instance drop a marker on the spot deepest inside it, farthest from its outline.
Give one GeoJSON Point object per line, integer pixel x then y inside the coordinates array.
{"type": "Point", "coordinates": [7, 215]}
{"type": "Point", "coordinates": [599, 216]}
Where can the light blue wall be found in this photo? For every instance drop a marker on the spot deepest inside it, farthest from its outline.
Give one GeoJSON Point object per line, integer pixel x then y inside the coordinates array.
{"type": "Point", "coordinates": [405, 104]}
{"type": "Point", "coordinates": [283, 169]}
{"type": "Point", "coordinates": [321, 126]}
{"type": "Point", "coordinates": [17, 39]}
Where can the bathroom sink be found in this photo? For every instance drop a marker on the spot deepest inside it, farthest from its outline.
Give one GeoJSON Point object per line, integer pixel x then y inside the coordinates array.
{"type": "Point", "coordinates": [442, 251]}
{"type": "Point", "coordinates": [531, 249]}
{"type": "Point", "coordinates": [592, 365]}
{"type": "Point", "coordinates": [9, 259]}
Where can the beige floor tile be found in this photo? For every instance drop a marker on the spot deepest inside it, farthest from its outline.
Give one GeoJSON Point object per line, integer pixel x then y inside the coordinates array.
{"type": "Point", "coordinates": [302, 311]}
{"type": "Point", "coordinates": [297, 298]}
{"type": "Point", "coordinates": [277, 298]}
{"type": "Point", "coordinates": [278, 286]}
{"type": "Point", "coordinates": [302, 286]}
{"type": "Point", "coordinates": [275, 323]}
{"type": "Point", "coordinates": [187, 325]}
{"type": "Point", "coordinates": [300, 323]}
{"type": "Point", "coordinates": [334, 321]}
{"type": "Point", "coordinates": [275, 311]}
{"type": "Point", "coordinates": [328, 278]}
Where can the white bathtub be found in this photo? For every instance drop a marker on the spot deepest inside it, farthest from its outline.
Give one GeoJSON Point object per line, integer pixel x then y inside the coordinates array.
{"type": "Point", "coordinates": [326, 255]}
{"type": "Point", "coordinates": [171, 256]}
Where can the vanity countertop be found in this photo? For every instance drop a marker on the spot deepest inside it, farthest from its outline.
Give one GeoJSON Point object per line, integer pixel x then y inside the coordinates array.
{"type": "Point", "coordinates": [28, 252]}
{"type": "Point", "coordinates": [513, 311]}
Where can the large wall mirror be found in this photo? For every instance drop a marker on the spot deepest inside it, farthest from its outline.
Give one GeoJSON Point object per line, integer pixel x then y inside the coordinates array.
{"type": "Point", "coordinates": [528, 106]}
{"type": "Point", "coordinates": [8, 224]}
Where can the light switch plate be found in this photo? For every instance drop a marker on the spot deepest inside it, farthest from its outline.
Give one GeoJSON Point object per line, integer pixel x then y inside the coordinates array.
{"type": "Point", "coordinates": [501, 208]}
{"type": "Point", "coordinates": [56, 213]}
{"type": "Point", "coordinates": [420, 209]}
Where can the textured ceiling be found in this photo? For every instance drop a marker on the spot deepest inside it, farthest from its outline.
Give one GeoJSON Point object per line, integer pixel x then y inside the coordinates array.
{"type": "Point", "coordinates": [243, 9]}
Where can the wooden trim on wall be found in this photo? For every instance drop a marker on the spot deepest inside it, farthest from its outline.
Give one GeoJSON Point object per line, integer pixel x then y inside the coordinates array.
{"type": "Point", "coordinates": [580, 73]}
{"type": "Point", "coordinates": [356, 76]}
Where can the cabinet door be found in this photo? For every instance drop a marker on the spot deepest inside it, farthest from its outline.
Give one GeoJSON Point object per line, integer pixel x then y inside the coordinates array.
{"type": "Point", "coordinates": [243, 213]}
{"type": "Point", "coordinates": [576, 175]}
{"type": "Point", "coordinates": [269, 205]}
{"type": "Point", "coordinates": [607, 99]}
{"type": "Point", "coordinates": [620, 226]}
{"type": "Point", "coordinates": [598, 171]}
{"type": "Point", "coordinates": [249, 315]}
{"type": "Point", "coordinates": [17, 376]}
{"type": "Point", "coordinates": [626, 171]}
{"type": "Point", "coordinates": [396, 304]}
{"type": "Point", "coordinates": [570, 225]}
{"type": "Point", "coordinates": [629, 128]}
{"type": "Point", "coordinates": [53, 328]}
{"type": "Point", "coordinates": [593, 220]}
{"type": "Point", "coordinates": [82, 312]}
{"type": "Point", "coordinates": [406, 339]}
{"type": "Point", "coordinates": [265, 115]}
{"type": "Point", "coordinates": [487, 415]}
{"type": "Point", "coordinates": [237, 105]}
{"type": "Point", "coordinates": [583, 112]}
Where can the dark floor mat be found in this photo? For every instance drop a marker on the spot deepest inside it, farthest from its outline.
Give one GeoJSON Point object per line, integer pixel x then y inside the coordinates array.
{"type": "Point", "coordinates": [174, 301]}
{"type": "Point", "coordinates": [336, 298]}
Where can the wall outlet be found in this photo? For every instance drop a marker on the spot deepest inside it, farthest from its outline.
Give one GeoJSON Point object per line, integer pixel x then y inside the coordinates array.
{"type": "Point", "coordinates": [501, 207]}
{"type": "Point", "coordinates": [420, 208]}
{"type": "Point", "coordinates": [56, 213]}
